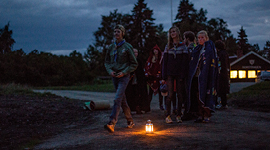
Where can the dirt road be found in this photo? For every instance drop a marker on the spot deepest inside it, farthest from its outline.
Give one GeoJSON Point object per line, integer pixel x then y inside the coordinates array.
{"type": "Point", "coordinates": [228, 129]}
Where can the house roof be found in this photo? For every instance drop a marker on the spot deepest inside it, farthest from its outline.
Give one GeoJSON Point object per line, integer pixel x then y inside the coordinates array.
{"type": "Point", "coordinates": [251, 52]}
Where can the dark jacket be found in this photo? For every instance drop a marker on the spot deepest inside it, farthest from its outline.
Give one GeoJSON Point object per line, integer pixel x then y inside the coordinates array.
{"type": "Point", "coordinates": [136, 91]}
{"type": "Point", "coordinates": [175, 61]}
{"type": "Point", "coordinates": [224, 74]}
{"type": "Point", "coordinates": [208, 74]}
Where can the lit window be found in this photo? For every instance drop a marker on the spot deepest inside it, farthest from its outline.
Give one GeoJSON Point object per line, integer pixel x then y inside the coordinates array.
{"type": "Point", "coordinates": [252, 74]}
{"type": "Point", "coordinates": [242, 74]}
{"type": "Point", "coordinates": [233, 74]}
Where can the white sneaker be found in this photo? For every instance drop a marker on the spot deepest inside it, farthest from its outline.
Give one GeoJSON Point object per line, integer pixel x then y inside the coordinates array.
{"type": "Point", "coordinates": [168, 119]}
{"type": "Point", "coordinates": [178, 119]}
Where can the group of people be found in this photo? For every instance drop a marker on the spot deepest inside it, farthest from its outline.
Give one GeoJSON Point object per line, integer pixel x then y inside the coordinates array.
{"type": "Point", "coordinates": [190, 71]}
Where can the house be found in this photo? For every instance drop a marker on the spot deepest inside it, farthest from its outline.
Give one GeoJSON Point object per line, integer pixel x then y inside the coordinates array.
{"type": "Point", "coordinates": [246, 68]}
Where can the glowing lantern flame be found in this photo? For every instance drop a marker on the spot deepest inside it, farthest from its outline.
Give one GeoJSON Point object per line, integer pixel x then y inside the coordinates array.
{"type": "Point", "coordinates": [149, 127]}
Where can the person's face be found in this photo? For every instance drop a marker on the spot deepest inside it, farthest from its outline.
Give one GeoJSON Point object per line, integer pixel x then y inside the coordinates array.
{"type": "Point", "coordinates": [201, 39]}
{"type": "Point", "coordinates": [155, 51]}
{"type": "Point", "coordinates": [173, 33]}
{"type": "Point", "coordinates": [135, 52]}
{"type": "Point", "coordinates": [118, 34]}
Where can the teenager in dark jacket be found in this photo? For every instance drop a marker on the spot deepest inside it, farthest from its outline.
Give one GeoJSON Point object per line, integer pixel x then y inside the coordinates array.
{"type": "Point", "coordinates": [202, 78]}
{"type": "Point", "coordinates": [224, 74]}
{"type": "Point", "coordinates": [136, 91]}
{"type": "Point", "coordinates": [175, 67]}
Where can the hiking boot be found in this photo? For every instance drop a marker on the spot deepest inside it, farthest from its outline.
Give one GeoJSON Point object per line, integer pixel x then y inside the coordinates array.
{"type": "Point", "coordinates": [168, 119]}
{"type": "Point", "coordinates": [109, 127]}
{"type": "Point", "coordinates": [178, 119]}
{"type": "Point", "coordinates": [130, 124]}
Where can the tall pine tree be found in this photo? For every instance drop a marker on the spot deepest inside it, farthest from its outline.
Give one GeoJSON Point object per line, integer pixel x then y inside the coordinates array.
{"type": "Point", "coordinates": [143, 33]}
{"type": "Point", "coordinates": [242, 41]}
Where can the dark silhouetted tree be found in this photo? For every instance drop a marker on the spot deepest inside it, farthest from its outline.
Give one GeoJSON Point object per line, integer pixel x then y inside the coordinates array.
{"type": "Point", "coordinates": [218, 29]}
{"type": "Point", "coordinates": [6, 40]}
{"type": "Point", "coordinates": [242, 41]}
{"type": "Point", "coordinates": [143, 34]}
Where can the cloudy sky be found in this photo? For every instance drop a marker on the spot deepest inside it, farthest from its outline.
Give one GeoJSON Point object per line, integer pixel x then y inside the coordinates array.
{"type": "Point", "coordinates": [61, 26]}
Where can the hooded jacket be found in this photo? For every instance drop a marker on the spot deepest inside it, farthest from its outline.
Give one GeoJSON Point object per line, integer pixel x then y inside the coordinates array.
{"type": "Point", "coordinates": [152, 70]}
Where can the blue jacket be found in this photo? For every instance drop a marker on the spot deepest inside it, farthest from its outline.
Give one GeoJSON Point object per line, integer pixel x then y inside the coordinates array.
{"type": "Point", "coordinates": [207, 79]}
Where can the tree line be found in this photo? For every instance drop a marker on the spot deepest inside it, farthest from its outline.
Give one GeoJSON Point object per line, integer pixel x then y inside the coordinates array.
{"type": "Point", "coordinates": [45, 69]}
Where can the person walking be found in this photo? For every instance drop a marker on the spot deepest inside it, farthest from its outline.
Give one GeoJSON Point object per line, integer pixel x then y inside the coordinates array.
{"type": "Point", "coordinates": [224, 74]}
{"type": "Point", "coordinates": [175, 67]}
{"type": "Point", "coordinates": [152, 72]}
{"type": "Point", "coordinates": [202, 78]}
{"type": "Point", "coordinates": [120, 61]}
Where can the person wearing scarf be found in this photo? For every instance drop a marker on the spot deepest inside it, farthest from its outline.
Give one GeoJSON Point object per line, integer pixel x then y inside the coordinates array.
{"type": "Point", "coordinates": [152, 72]}
{"type": "Point", "coordinates": [120, 61]}
{"type": "Point", "coordinates": [175, 67]}
{"type": "Point", "coordinates": [202, 78]}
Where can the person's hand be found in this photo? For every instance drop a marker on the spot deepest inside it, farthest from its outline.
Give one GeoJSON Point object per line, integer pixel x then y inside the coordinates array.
{"type": "Point", "coordinates": [113, 74]}
{"type": "Point", "coordinates": [120, 74]}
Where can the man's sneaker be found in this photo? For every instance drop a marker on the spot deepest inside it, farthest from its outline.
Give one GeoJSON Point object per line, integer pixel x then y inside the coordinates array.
{"type": "Point", "coordinates": [178, 119]}
{"type": "Point", "coordinates": [109, 127]}
{"type": "Point", "coordinates": [130, 124]}
{"type": "Point", "coordinates": [168, 119]}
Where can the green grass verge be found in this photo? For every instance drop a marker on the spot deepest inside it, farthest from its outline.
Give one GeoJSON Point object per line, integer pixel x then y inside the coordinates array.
{"type": "Point", "coordinates": [17, 89]}
{"type": "Point", "coordinates": [105, 87]}
{"type": "Point", "coordinates": [255, 97]}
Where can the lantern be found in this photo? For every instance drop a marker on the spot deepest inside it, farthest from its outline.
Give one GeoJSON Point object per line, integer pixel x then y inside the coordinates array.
{"type": "Point", "coordinates": [149, 127]}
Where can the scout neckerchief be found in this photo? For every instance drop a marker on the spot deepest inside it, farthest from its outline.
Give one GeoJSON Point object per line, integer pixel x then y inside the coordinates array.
{"type": "Point", "coordinates": [116, 47]}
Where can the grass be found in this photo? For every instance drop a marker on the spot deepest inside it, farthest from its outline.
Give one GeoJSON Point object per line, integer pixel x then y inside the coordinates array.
{"type": "Point", "coordinates": [255, 97]}
{"type": "Point", "coordinates": [261, 89]}
{"type": "Point", "coordinates": [104, 87]}
{"type": "Point", "coordinates": [18, 89]}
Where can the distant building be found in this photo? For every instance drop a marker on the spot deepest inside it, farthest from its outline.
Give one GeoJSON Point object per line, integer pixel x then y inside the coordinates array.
{"type": "Point", "coordinates": [246, 68]}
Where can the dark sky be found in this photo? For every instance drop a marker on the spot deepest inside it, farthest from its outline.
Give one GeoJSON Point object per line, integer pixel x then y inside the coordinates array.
{"type": "Point", "coordinates": [61, 26]}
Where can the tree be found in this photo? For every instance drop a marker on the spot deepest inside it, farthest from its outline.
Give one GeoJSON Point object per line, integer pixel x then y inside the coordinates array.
{"type": "Point", "coordinates": [218, 30]}
{"type": "Point", "coordinates": [189, 19]}
{"type": "Point", "coordinates": [104, 34]}
{"type": "Point", "coordinates": [231, 46]}
{"type": "Point", "coordinates": [6, 40]}
{"type": "Point", "coordinates": [92, 57]}
{"type": "Point", "coordinates": [143, 34]}
{"type": "Point", "coordinates": [242, 41]}
{"type": "Point", "coordinates": [185, 18]}
{"type": "Point", "coordinates": [185, 11]}
{"type": "Point", "coordinates": [266, 50]}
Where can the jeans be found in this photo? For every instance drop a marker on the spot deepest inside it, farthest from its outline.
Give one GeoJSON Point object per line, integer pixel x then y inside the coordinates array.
{"type": "Point", "coordinates": [180, 91]}
{"type": "Point", "coordinates": [120, 85]}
